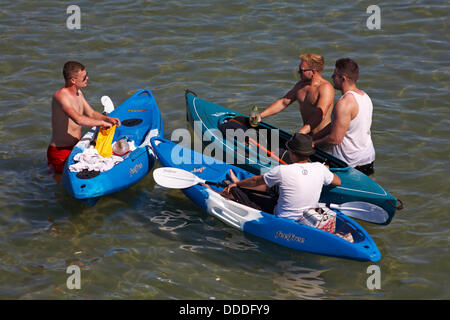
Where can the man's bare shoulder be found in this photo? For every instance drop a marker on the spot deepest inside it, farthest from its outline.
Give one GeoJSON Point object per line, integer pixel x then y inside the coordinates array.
{"type": "Point", "coordinates": [61, 95]}
{"type": "Point", "coordinates": [325, 85]}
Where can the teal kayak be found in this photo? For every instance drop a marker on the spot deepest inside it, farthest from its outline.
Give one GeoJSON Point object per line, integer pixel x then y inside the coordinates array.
{"type": "Point", "coordinates": [211, 121]}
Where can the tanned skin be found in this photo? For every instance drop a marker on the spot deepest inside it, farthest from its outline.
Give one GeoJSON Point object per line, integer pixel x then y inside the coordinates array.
{"type": "Point", "coordinates": [315, 97]}
{"type": "Point", "coordinates": [71, 111]}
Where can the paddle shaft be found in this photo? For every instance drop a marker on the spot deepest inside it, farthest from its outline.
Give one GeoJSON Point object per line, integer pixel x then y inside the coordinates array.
{"type": "Point", "coordinates": [269, 153]}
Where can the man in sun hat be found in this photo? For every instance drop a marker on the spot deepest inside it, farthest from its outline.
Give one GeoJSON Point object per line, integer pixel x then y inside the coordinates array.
{"type": "Point", "coordinates": [299, 183]}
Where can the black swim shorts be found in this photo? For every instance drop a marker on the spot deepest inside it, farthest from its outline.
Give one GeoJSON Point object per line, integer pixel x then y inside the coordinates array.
{"type": "Point", "coordinates": [367, 169]}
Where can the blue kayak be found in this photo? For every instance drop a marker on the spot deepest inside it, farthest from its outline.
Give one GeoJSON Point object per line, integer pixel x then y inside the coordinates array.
{"type": "Point", "coordinates": [211, 120]}
{"type": "Point", "coordinates": [283, 231]}
{"type": "Point", "coordinates": [140, 120]}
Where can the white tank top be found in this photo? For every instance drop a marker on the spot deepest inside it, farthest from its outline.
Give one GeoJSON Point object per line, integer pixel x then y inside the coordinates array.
{"type": "Point", "coordinates": [357, 148]}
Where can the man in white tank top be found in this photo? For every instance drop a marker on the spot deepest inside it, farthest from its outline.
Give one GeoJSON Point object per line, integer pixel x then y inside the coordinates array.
{"type": "Point", "coordinates": [349, 130]}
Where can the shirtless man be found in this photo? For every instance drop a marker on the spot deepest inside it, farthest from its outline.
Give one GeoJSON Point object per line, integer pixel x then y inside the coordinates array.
{"type": "Point", "coordinates": [314, 94]}
{"type": "Point", "coordinates": [70, 111]}
{"type": "Point", "coordinates": [349, 132]}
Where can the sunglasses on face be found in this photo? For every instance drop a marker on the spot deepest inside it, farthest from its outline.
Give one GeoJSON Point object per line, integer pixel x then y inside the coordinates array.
{"type": "Point", "coordinates": [85, 77]}
{"type": "Point", "coordinates": [300, 70]}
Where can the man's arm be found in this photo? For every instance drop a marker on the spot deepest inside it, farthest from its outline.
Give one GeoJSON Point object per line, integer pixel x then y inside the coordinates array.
{"type": "Point", "coordinates": [76, 117]}
{"type": "Point", "coordinates": [251, 182]}
{"type": "Point", "coordinates": [276, 107]}
{"type": "Point", "coordinates": [344, 110]}
{"type": "Point", "coordinates": [280, 104]}
{"type": "Point", "coordinates": [322, 133]}
{"type": "Point", "coordinates": [326, 98]}
{"type": "Point", "coordinates": [91, 113]}
{"type": "Point", "coordinates": [336, 180]}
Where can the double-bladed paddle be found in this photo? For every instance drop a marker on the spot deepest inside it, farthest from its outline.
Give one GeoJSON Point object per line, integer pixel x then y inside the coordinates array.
{"type": "Point", "coordinates": [176, 178]}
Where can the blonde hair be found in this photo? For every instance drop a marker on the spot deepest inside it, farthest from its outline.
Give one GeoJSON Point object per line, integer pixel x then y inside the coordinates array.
{"type": "Point", "coordinates": [314, 60]}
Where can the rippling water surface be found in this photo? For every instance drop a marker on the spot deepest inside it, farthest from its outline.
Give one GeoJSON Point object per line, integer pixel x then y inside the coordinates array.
{"type": "Point", "coordinates": [150, 243]}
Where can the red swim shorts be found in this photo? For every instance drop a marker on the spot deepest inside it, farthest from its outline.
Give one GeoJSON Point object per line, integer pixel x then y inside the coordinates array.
{"type": "Point", "coordinates": [56, 157]}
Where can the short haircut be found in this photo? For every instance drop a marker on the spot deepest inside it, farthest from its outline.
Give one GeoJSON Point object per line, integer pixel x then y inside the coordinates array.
{"type": "Point", "coordinates": [348, 67]}
{"type": "Point", "coordinates": [71, 68]}
{"type": "Point", "coordinates": [314, 60]}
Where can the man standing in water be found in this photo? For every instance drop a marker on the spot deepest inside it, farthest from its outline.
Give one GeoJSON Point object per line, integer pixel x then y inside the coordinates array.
{"type": "Point", "coordinates": [349, 132]}
{"type": "Point", "coordinates": [314, 94]}
{"type": "Point", "coordinates": [70, 111]}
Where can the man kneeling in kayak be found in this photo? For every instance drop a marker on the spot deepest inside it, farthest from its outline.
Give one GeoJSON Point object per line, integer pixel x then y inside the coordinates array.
{"type": "Point", "coordinates": [299, 183]}
{"type": "Point", "coordinates": [70, 111]}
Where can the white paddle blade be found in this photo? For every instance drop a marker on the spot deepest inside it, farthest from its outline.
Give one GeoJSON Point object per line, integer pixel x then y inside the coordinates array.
{"type": "Point", "coordinates": [363, 211]}
{"type": "Point", "coordinates": [107, 104]}
{"type": "Point", "coordinates": [175, 178]}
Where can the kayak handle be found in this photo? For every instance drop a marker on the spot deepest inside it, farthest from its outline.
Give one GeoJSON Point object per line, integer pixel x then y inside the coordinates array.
{"type": "Point", "coordinates": [399, 207]}
{"type": "Point", "coordinates": [189, 91]}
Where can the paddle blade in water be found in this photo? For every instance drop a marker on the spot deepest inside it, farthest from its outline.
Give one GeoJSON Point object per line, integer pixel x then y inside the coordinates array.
{"type": "Point", "coordinates": [175, 178]}
{"type": "Point", "coordinates": [363, 211]}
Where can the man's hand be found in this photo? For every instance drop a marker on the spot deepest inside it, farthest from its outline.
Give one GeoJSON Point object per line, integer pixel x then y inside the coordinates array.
{"type": "Point", "coordinates": [305, 129]}
{"type": "Point", "coordinates": [115, 121]}
{"type": "Point", "coordinates": [258, 118]}
{"type": "Point", "coordinates": [105, 125]}
{"type": "Point", "coordinates": [228, 188]}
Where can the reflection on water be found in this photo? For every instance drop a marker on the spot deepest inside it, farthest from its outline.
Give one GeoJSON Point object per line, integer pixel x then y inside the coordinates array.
{"type": "Point", "coordinates": [170, 220]}
{"type": "Point", "coordinates": [298, 282]}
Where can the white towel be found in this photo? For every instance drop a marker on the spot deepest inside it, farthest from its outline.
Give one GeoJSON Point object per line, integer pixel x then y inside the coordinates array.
{"type": "Point", "coordinates": [91, 160]}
